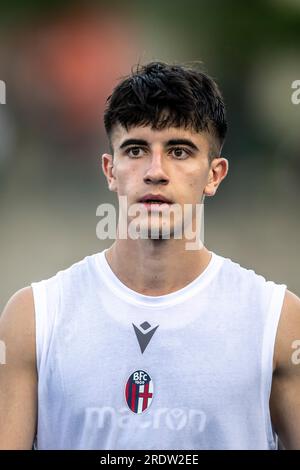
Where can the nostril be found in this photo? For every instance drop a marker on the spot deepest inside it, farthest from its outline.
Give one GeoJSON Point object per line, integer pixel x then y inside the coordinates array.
{"type": "Point", "coordinates": [148, 180]}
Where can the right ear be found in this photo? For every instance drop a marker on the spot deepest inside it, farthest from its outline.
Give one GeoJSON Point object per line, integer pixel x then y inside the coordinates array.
{"type": "Point", "coordinates": [109, 171]}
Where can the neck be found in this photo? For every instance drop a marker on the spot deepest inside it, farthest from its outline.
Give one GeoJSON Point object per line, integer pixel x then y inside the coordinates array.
{"type": "Point", "coordinates": [156, 267]}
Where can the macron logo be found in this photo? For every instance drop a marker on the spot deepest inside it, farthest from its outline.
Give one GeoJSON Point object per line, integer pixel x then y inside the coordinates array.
{"type": "Point", "coordinates": [144, 333]}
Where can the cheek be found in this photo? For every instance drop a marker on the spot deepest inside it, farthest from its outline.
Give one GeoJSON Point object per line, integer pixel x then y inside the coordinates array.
{"type": "Point", "coordinates": [200, 176]}
{"type": "Point", "coordinates": [195, 182]}
{"type": "Point", "coordinates": [127, 177]}
{"type": "Point", "coordinates": [196, 179]}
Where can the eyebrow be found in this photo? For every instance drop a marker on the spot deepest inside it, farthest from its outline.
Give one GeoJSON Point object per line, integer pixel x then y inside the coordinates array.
{"type": "Point", "coordinates": [187, 142]}
{"type": "Point", "coordinates": [169, 143]}
{"type": "Point", "coordinates": [133, 142]}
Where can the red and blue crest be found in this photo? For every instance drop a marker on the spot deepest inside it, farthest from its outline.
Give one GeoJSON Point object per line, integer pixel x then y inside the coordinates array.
{"type": "Point", "coordinates": [139, 391]}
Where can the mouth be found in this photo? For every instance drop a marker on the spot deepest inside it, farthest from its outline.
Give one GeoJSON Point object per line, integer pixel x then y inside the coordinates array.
{"type": "Point", "coordinates": [153, 201]}
{"type": "Point", "coordinates": [155, 198]}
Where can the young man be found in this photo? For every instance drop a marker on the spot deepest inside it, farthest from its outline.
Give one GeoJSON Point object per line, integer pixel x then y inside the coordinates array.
{"type": "Point", "coordinates": [149, 344]}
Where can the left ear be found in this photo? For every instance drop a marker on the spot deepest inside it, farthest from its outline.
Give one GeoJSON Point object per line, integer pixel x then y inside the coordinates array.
{"type": "Point", "coordinates": [217, 172]}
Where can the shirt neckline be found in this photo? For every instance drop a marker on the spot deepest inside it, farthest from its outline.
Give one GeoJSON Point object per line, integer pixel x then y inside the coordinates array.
{"type": "Point", "coordinates": [133, 297]}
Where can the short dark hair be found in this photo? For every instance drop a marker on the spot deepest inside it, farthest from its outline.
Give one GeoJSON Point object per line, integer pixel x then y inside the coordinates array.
{"type": "Point", "coordinates": [163, 95]}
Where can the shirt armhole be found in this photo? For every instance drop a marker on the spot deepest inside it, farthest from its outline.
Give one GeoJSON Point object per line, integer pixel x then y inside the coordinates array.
{"type": "Point", "coordinates": [46, 299]}
{"type": "Point", "coordinates": [268, 348]}
{"type": "Point", "coordinates": [40, 307]}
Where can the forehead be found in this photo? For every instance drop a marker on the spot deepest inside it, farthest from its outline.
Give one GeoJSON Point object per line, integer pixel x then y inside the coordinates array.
{"type": "Point", "coordinates": [162, 136]}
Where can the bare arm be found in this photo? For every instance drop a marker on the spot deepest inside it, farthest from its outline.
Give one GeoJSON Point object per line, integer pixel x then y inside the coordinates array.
{"type": "Point", "coordinates": [18, 377]}
{"type": "Point", "coordinates": [285, 396]}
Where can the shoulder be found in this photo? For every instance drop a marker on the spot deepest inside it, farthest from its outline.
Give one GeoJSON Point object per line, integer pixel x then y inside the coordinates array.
{"type": "Point", "coordinates": [288, 333]}
{"type": "Point", "coordinates": [19, 307]}
{"type": "Point", "coordinates": [244, 281]}
{"type": "Point", "coordinates": [237, 270]}
{"type": "Point", "coordinates": [17, 326]}
{"type": "Point", "coordinates": [78, 268]}
{"type": "Point", "coordinates": [77, 273]}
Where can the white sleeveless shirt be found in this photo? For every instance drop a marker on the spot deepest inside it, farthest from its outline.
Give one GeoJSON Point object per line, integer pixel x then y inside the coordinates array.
{"type": "Point", "coordinates": [188, 370]}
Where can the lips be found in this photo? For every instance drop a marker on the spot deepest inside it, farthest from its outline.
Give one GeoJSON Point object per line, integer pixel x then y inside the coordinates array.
{"type": "Point", "coordinates": [155, 199]}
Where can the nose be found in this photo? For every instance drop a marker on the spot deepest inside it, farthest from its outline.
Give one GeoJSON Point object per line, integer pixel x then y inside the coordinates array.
{"type": "Point", "coordinates": [155, 173]}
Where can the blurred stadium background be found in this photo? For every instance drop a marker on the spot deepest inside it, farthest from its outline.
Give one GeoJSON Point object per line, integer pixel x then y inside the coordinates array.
{"type": "Point", "coordinates": [60, 61]}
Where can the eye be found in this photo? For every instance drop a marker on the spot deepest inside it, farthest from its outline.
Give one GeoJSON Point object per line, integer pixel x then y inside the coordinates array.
{"type": "Point", "coordinates": [134, 152]}
{"type": "Point", "coordinates": [180, 153]}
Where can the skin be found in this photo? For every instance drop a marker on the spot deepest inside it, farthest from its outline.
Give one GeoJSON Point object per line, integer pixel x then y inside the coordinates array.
{"type": "Point", "coordinates": [18, 377]}
{"type": "Point", "coordinates": [182, 174]}
{"type": "Point", "coordinates": [152, 271]}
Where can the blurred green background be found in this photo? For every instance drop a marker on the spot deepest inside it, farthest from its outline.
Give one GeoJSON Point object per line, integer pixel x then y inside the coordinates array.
{"type": "Point", "coordinates": [60, 61]}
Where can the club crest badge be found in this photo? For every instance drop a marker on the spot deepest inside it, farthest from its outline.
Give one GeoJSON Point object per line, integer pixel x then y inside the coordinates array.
{"type": "Point", "coordinates": [139, 391]}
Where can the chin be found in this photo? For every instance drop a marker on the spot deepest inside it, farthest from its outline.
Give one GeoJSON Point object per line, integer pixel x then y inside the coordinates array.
{"type": "Point", "coordinates": [158, 232]}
